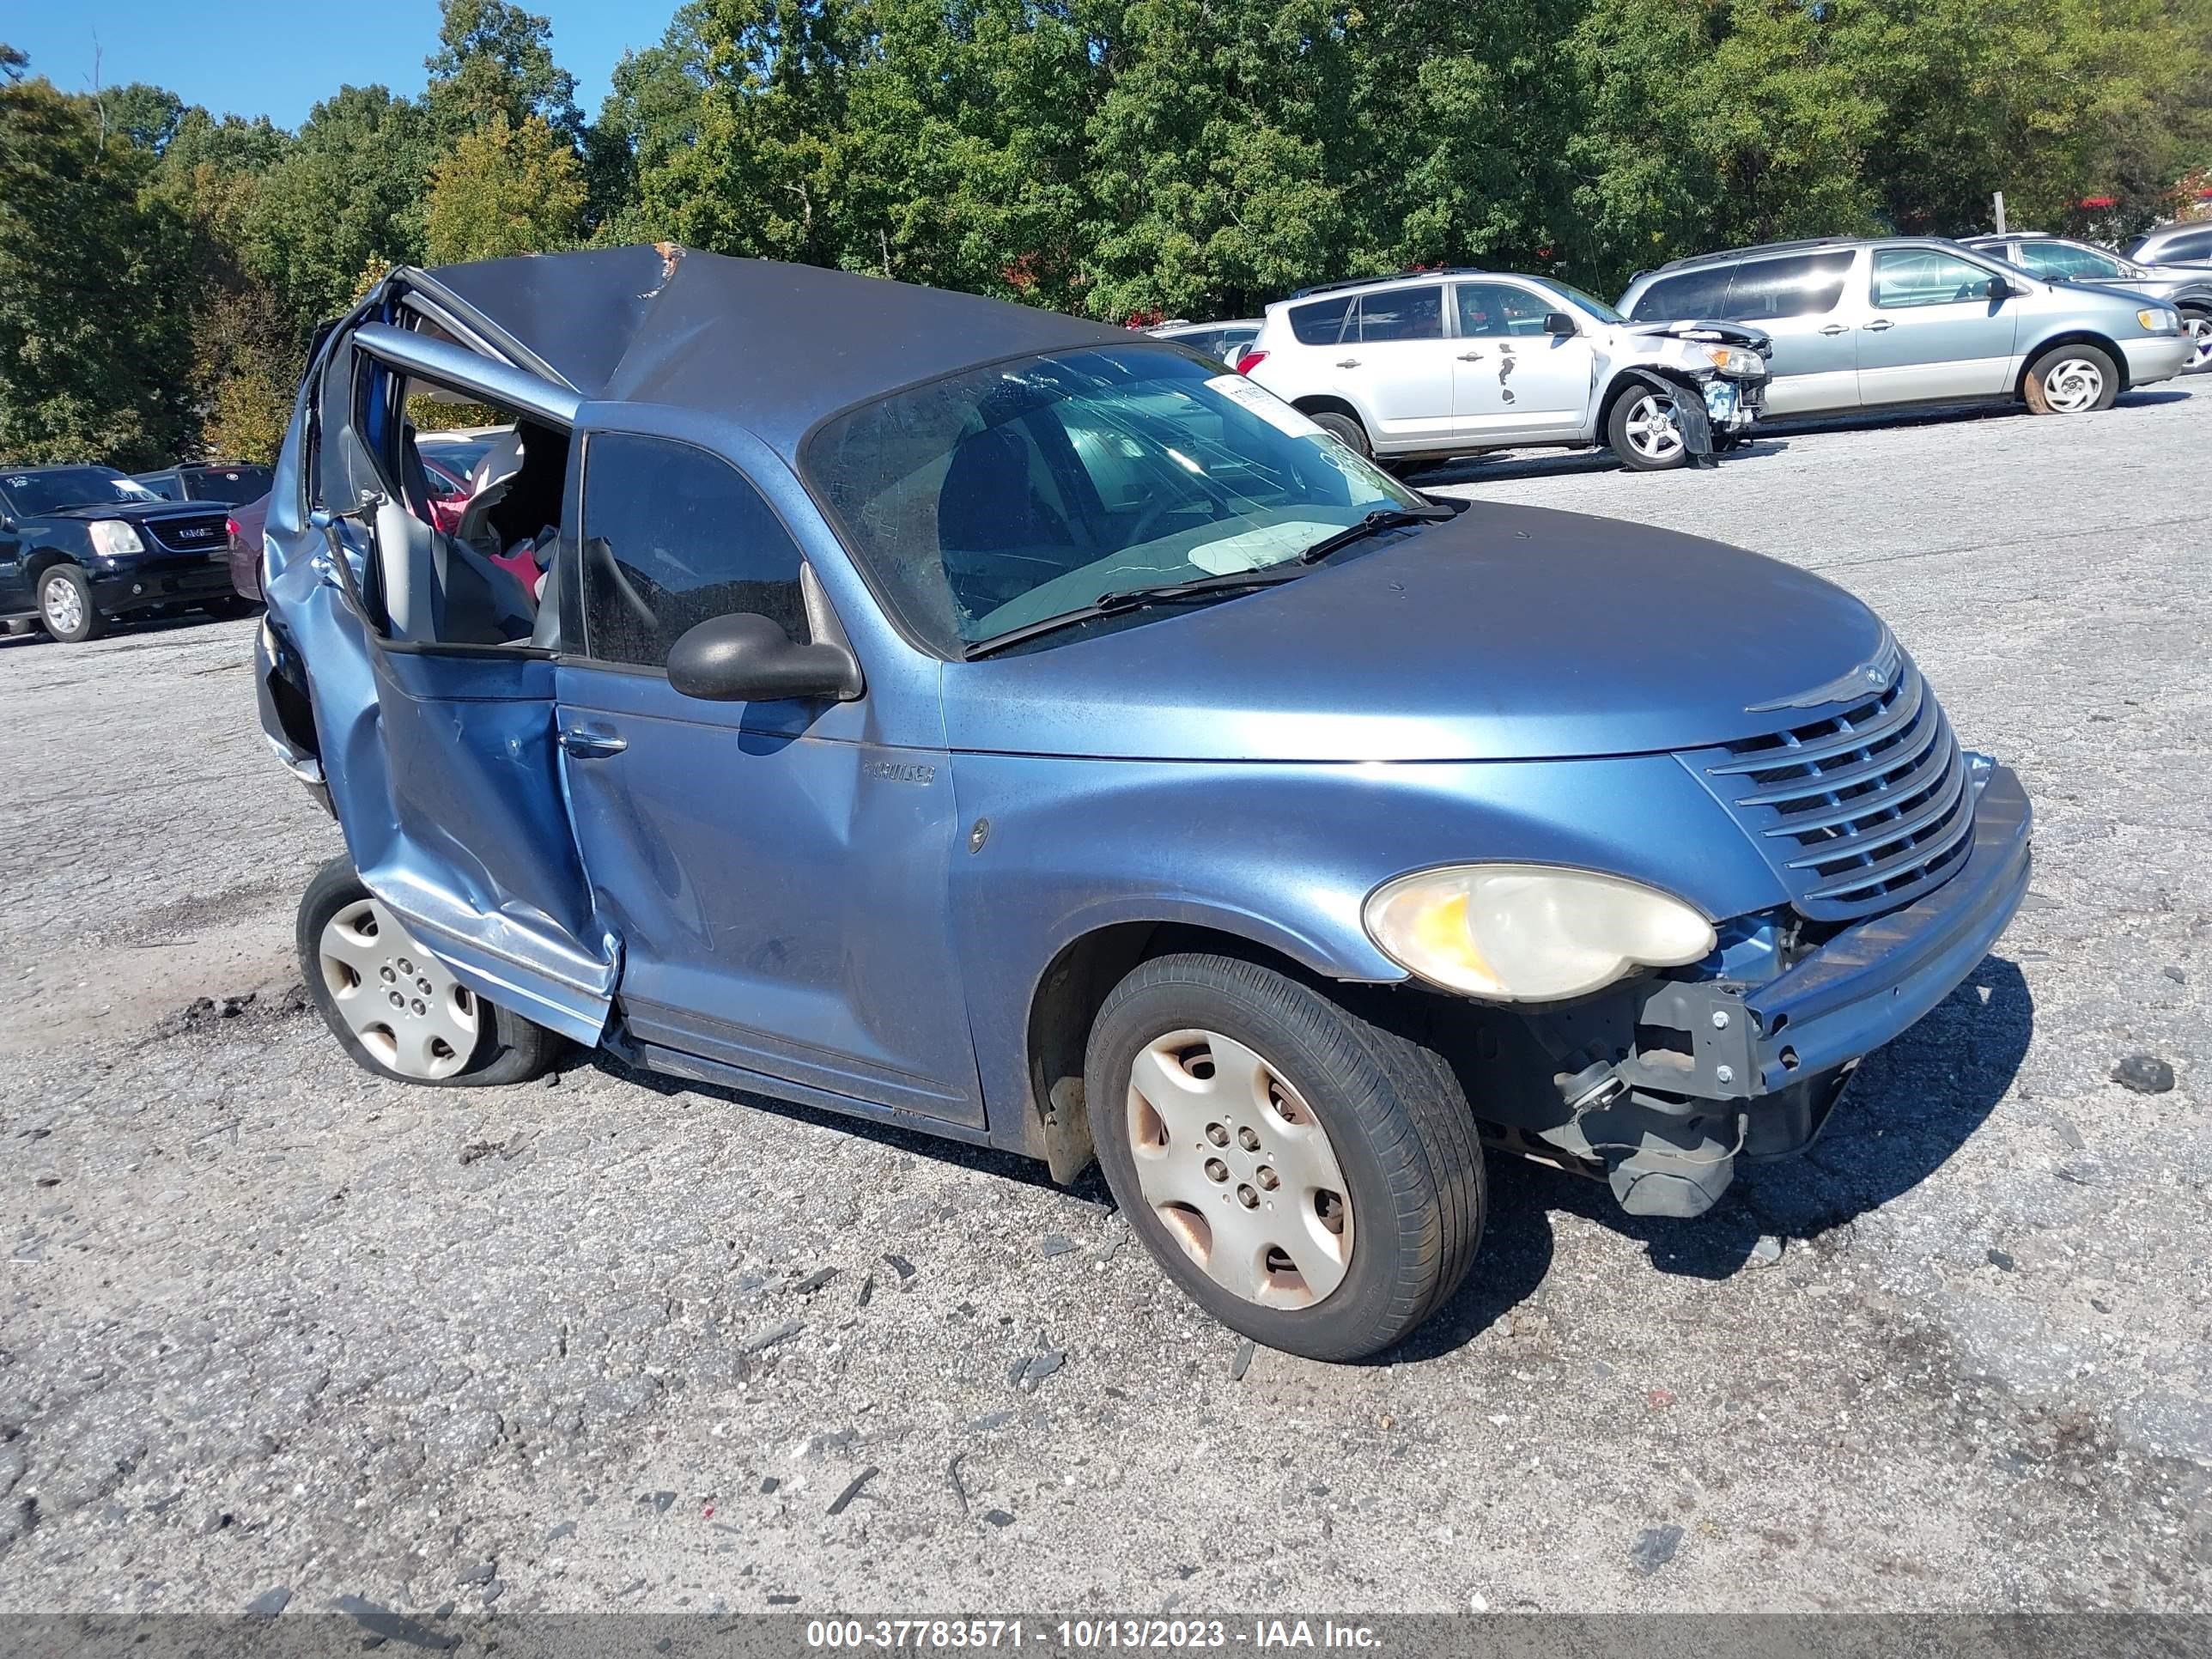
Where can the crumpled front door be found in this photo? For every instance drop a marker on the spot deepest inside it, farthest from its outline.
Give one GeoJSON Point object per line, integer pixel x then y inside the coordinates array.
{"type": "Point", "coordinates": [444, 775]}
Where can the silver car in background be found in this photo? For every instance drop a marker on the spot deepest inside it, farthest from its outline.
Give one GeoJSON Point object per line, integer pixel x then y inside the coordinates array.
{"type": "Point", "coordinates": [2187, 243]}
{"type": "Point", "coordinates": [1866, 323]}
{"type": "Point", "coordinates": [1226, 340]}
{"type": "Point", "coordinates": [2187, 289]}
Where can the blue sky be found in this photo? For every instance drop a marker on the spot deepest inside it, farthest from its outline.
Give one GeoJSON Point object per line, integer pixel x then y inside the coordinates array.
{"type": "Point", "coordinates": [277, 57]}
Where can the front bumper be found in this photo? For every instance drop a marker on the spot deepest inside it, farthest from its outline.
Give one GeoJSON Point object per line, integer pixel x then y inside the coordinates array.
{"type": "Point", "coordinates": [141, 583]}
{"type": "Point", "coordinates": [1857, 991]}
{"type": "Point", "coordinates": [2157, 357]}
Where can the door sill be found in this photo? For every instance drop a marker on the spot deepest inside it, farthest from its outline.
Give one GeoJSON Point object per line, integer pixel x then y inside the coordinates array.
{"type": "Point", "coordinates": [697, 1068]}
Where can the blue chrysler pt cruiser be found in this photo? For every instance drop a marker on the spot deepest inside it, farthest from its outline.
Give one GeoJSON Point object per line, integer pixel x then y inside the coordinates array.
{"type": "Point", "coordinates": [962, 716]}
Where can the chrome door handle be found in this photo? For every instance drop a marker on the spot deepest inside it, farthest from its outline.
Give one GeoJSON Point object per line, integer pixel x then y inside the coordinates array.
{"type": "Point", "coordinates": [593, 745]}
{"type": "Point", "coordinates": [1876, 325]}
{"type": "Point", "coordinates": [1348, 362]}
{"type": "Point", "coordinates": [1835, 328]}
{"type": "Point", "coordinates": [1470, 356]}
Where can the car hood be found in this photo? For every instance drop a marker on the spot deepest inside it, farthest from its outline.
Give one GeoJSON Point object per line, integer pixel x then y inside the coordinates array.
{"type": "Point", "coordinates": [1508, 633]}
{"type": "Point", "coordinates": [1685, 328]}
{"type": "Point", "coordinates": [139, 511]}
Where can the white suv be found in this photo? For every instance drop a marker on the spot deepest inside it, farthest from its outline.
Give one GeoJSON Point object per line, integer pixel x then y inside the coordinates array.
{"type": "Point", "coordinates": [1456, 362]}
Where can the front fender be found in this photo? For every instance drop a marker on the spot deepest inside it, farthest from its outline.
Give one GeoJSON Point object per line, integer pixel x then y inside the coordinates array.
{"type": "Point", "coordinates": [1284, 856]}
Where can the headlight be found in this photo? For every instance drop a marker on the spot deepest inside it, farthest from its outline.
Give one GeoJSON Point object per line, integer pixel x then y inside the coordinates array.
{"type": "Point", "coordinates": [1734, 360]}
{"type": "Point", "coordinates": [1524, 933]}
{"type": "Point", "coordinates": [2158, 320]}
{"type": "Point", "coordinates": [111, 538]}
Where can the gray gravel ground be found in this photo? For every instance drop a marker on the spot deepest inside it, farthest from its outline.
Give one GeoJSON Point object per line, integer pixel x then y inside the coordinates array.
{"type": "Point", "coordinates": [268, 1324]}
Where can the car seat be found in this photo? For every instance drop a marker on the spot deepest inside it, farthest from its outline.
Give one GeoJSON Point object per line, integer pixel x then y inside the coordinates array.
{"type": "Point", "coordinates": [440, 591]}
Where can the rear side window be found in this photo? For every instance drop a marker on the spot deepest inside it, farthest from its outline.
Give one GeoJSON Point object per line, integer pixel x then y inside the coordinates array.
{"type": "Point", "coordinates": [1321, 323]}
{"type": "Point", "coordinates": [1801, 285]}
{"type": "Point", "coordinates": [1405, 313]}
{"type": "Point", "coordinates": [2197, 244]}
{"type": "Point", "coordinates": [1689, 297]}
{"type": "Point", "coordinates": [673, 536]}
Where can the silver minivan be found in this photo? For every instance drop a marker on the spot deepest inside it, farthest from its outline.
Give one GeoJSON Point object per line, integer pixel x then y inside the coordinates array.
{"type": "Point", "coordinates": [1865, 323]}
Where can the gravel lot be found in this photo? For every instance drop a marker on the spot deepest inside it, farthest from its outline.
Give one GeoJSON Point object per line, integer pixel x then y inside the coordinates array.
{"type": "Point", "coordinates": [269, 1325]}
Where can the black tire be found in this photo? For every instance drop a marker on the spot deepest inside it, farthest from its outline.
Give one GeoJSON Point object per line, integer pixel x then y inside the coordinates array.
{"type": "Point", "coordinates": [230, 607]}
{"type": "Point", "coordinates": [88, 623]}
{"type": "Point", "coordinates": [2040, 389]}
{"type": "Point", "coordinates": [509, 1048]}
{"type": "Point", "coordinates": [1622, 442]}
{"type": "Point", "coordinates": [1347, 430]}
{"type": "Point", "coordinates": [1396, 1121]}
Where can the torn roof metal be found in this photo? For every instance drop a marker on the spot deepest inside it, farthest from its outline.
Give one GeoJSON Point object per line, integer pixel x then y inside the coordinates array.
{"type": "Point", "coordinates": [774, 347]}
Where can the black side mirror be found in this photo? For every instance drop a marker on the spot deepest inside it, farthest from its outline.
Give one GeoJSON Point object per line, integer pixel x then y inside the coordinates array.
{"type": "Point", "coordinates": [1999, 289]}
{"type": "Point", "coordinates": [746, 658]}
{"type": "Point", "coordinates": [1558, 322]}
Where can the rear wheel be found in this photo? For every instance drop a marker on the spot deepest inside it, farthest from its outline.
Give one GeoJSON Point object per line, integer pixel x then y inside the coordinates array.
{"type": "Point", "coordinates": [1643, 432]}
{"type": "Point", "coordinates": [1311, 1180]}
{"type": "Point", "coordinates": [398, 1009]}
{"type": "Point", "coordinates": [65, 606]}
{"type": "Point", "coordinates": [1347, 430]}
{"type": "Point", "coordinates": [2072, 379]}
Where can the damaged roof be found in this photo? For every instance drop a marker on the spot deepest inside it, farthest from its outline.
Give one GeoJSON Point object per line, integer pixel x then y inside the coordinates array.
{"type": "Point", "coordinates": [774, 347]}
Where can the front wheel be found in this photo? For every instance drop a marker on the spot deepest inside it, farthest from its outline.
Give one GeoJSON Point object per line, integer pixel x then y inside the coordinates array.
{"type": "Point", "coordinates": [228, 607]}
{"type": "Point", "coordinates": [2197, 325]}
{"type": "Point", "coordinates": [1643, 432]}
{"type": "Point", "coordinates": [2072, 379]}
{"type": "Point", "coordinates": [65, 606]}
{"type": "Point", "coordinates": [396, 1009]}
{"type": "Point", "coordinates": [1313, 1181]}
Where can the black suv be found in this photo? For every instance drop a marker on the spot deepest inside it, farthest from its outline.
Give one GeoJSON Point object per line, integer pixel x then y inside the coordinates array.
{"type": "Point", "coordinates": [81, 546]}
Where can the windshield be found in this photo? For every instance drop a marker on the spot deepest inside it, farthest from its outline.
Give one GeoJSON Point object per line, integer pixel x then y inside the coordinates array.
{"type": "Point", "coordinates": [1001, 496]}
{"type": "Point", "coordinates": [71, 486]}
{"type": "Point", "coordinates": [459, 456]}
{"type": "Point", "coordinates": [1596, 306]}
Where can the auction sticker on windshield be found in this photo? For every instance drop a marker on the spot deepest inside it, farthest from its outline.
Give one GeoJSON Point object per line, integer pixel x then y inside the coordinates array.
{"type": "Point", "coordinates": [1264, 403]}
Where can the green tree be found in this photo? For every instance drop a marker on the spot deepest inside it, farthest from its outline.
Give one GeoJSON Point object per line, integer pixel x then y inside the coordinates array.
{"type": "Point", "coordinates": [348, 193]}
{"type": "Point", "coordinates": [505, 190]}
{"type": "Point", "coordinates": [495, 60]}
{"type": "Point", "coordinates": [96, 315]}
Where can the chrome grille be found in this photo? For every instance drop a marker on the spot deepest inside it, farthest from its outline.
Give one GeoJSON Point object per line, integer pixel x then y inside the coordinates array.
{"type": "Point", "coordinates": [193, 535]}
{"type": "Point", "coordinates": [1859, 811]}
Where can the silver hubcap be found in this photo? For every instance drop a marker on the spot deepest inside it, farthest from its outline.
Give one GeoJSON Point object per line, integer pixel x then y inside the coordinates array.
{"type": "Point", "coordinates": [64, 605]}
{"type": "Point", "coordinates": [407, 1010]}
{"type": "Point", "coordinates": [1239, 1169]}
{"type": "Point", "coordinates": [2199, 330]}
{"type": "Point", "coordinates": [1652, 432]}
{"type": "Point", "coordinates": [2073, 384]}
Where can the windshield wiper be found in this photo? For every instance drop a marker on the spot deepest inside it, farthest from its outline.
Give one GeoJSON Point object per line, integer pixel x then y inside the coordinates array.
{"type": "Point", "coordinates": [1135, 598]}
{"type": "Point", "coordinates": [1382, 518]}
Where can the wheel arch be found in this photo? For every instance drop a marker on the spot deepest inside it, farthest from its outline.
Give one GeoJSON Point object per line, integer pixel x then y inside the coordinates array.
{"type": "Point", "coordinates": [2066, 337]}
{"type": "Point", "coordinates": [1326, 402]}
{"type": "Point", "coordinates": [46, 559]}
{"type": "Point", "coordinates": [1064, 1001]}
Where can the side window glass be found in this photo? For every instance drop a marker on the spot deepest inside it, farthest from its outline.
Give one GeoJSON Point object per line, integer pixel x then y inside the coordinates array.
{"type": "Point", "coordinates": [1802, 285]}
{"type": "Point", "coordinates": [1493, 310]}
{"type": "Point", "coordinates": [1321, 323]}
{"type": "Point", "coordinates": [1406, 314]}
{"type": "Point", "coordinates": [1905, 277]}
{"type": "Point", "coordinates": [671, 537]}
{"type": "Point", "coordinates": [2197, 244]}
{"type": "Point", "coordinates": [1689, 297]}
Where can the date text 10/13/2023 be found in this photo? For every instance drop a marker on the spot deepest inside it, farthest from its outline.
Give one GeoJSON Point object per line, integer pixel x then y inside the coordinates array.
{"type": "Point", "coordinates": [1090, 1635]}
